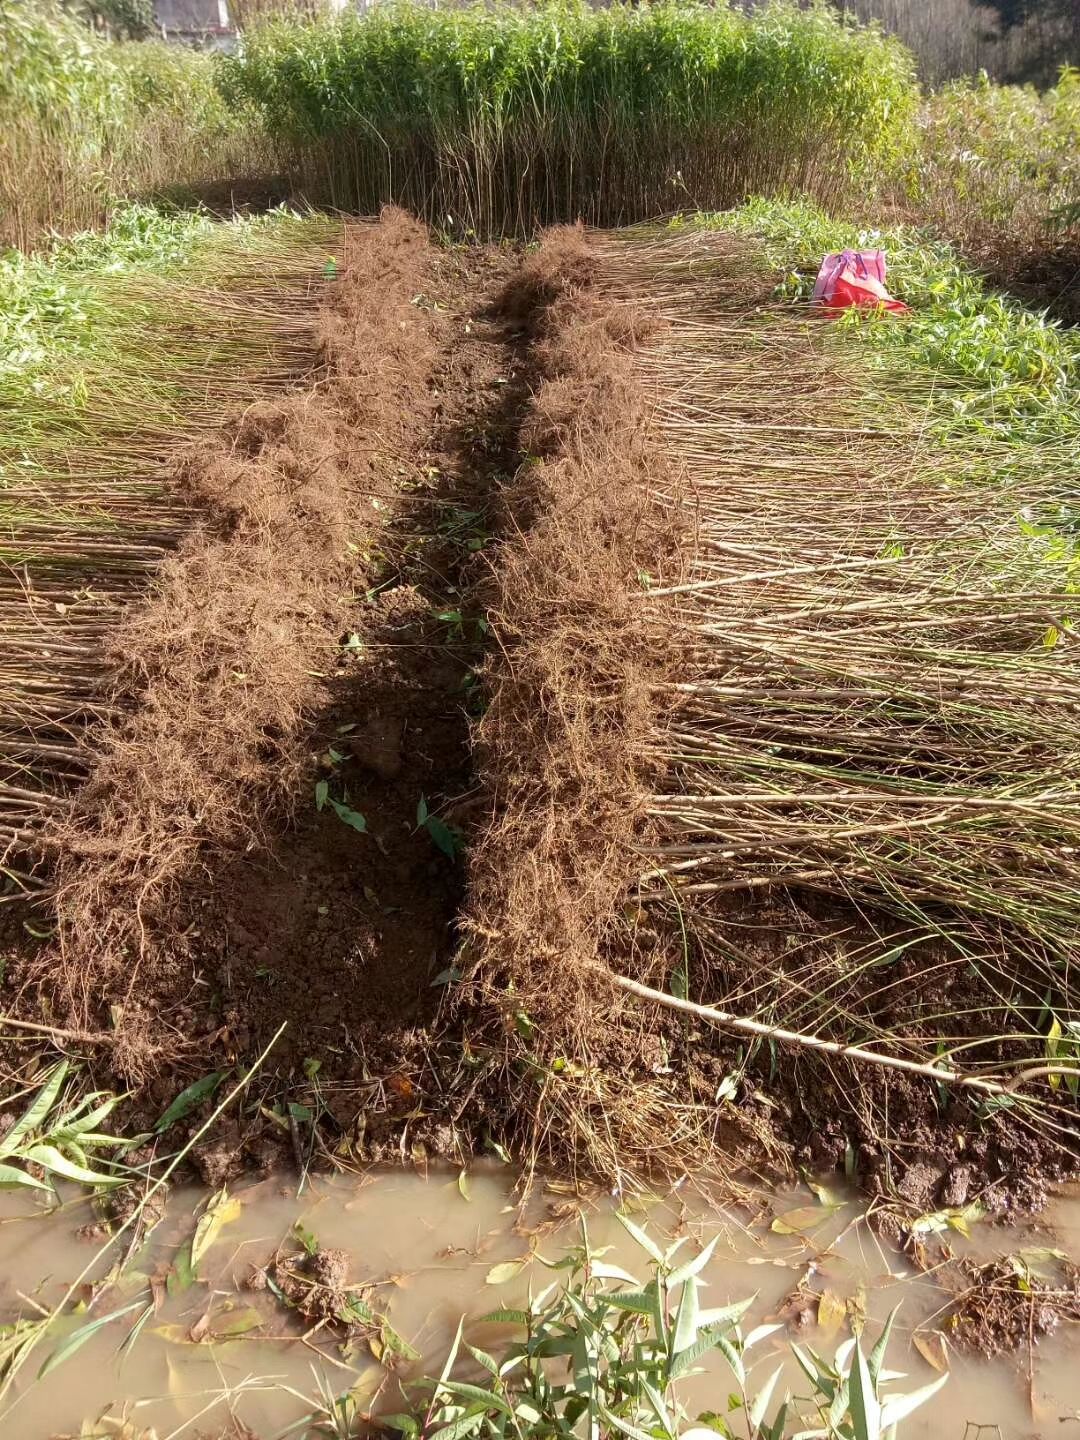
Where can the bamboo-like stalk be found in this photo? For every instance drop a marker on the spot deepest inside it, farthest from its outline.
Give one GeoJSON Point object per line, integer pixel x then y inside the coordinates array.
{"type": "Point", "coordinates": [881, 690]}
{"type": "Point", "coordinates": [88, 507]}
{"type": "Point", "coordinates": [942, 1074]}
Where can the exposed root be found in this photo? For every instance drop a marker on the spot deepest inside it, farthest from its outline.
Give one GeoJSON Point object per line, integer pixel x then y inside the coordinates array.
{"type": "Point", "coordinates": [218, 669]}
{"type": "Point", "coordinates": [563, 745]}
{"type": "Point", "coordinates": [561, 740]}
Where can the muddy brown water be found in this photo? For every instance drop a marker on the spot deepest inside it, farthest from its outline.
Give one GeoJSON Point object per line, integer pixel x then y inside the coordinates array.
{"type": "Point", "coordinates": [427, 1244]}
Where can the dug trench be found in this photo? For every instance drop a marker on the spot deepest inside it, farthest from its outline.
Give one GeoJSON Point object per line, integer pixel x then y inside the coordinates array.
{"type": "Point", "coordinates": [367, 832]}
{"type": "Point", "coordinates": [267, 849]}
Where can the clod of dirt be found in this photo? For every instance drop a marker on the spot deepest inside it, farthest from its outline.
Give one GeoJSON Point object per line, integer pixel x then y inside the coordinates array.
{"type": "Point", "coordinates": [956, 1186]}
{"type": "Point", "coordinates": [218, 1159]}
{"type": "Point", "coordinates": [919, 1184]}
{"type": "Point", "coordinates": [376, 745]}
{"type": "Point", "coordinates": [317, 1286]}
{"type": "Point", "coordinates": [1003, 1306]}
{"type": "Point", "coordinates": [330, 1268]}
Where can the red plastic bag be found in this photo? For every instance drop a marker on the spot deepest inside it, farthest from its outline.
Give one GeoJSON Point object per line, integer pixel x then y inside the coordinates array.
{"type": "Point", "coordinates": [854, 277]}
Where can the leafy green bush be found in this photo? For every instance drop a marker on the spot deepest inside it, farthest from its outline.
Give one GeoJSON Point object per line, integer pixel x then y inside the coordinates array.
{"type": "Point", "coordinates": [506, 118]}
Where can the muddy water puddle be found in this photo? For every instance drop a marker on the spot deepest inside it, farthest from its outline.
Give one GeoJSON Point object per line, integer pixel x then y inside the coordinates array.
{"type": "Point", "coordinates": [215, 1338]}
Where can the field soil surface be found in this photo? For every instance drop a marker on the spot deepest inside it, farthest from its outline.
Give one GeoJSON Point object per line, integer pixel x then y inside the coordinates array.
{"type": "Point", "coordinates": [383, 775]}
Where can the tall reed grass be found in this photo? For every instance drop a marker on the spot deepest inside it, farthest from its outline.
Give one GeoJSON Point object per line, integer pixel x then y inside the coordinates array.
{"type": "Point", "coordinates": [85, 121]}
{"type": "Point", "coordinates": [498, 120]}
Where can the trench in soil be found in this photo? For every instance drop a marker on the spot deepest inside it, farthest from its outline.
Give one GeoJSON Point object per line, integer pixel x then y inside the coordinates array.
{"type": "Point", "coordinates": [339, 935]}
{"type": "Point", "coordinates": [333, 942]}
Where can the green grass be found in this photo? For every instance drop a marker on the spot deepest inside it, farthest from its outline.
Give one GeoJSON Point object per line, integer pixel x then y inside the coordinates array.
{"type": "Point", "coordinates": [502, 119]}
{"type": "Point", "coordinates": [116, 325]}
{"type": "Point", "coordinates": [1001, 374]}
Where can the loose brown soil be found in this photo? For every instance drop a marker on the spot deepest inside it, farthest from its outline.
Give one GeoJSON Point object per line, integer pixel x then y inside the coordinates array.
{"type": "Point", "coordinates": [1045, 275]}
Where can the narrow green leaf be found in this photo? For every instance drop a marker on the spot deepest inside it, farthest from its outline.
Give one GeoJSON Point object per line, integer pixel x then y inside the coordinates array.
{"type": "Point", "coordinates": [73, 1125]}
{"type": "Point", "coordinates": [760, 1403]}
{"type": "Point", "coordinates": [32, 1118]}
{"type": "Point", "coordinates": [639, 1302]}
{"type": "Point", "coordinates": [78, 1338]}
{"type": "Point", "coordinates": [52, 1160]}
{"type": "Point", "coordinates": [349, 817]}
{"type": "Point", "coordinates": [464, 1425]}
{"type": "Point", "coordinates": [760, 1332]}
{"type": "Point", "coordinates": [732, 1356]}
{"type": "Point", "coordinates": [638, 1234]}
{"type": "Point", "coordinates": [814, 1373]}
{"type": "Point", "coordinates": [623, 1426]}
{"type": "Point", "coordinates": [656, 1400]}
{"type": "Point", "coordinates": [711, 1339]}
{"type": "Point", "coordinates": [443, 836]}
{"type": "Point", "coordinates": [862, 1401]}
{"type": "Point", "coordinates": [601, 1270]}
{"type": "Point", "coordinates": [404, 1424]}
{"type": "Point", "coordinates": [13, 1179]}
{"type": "Point", "coordinates": [839, 1407]}
{"type": "Point", "coordinates": [505, 1271]}
{"type": "Point", "coordinates": [453, 1352]}
{"type": "Point", "coordinates": [483, 1358]}
{"type": "Point", "coordinates": [695, 1266]}
{"type": "Point", "coordinates": [726, 1314]}
{"type": "Point", "coordinates": [877, 1355]}
{"type": "Point", "coordinates": [686, 1319]}
{"type": "Point", "coordinates": [899, 1407]}
{"type": "Point", "coordinates": [476, 1392]}
{"type": "Point", "coordinates": [396, 1342]}
{"type": "Point", "coordinates": [186, 1101]}
{"type": "Point", "coordinates": [505, 1317]}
